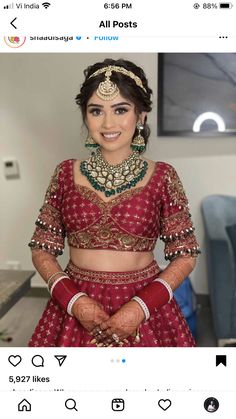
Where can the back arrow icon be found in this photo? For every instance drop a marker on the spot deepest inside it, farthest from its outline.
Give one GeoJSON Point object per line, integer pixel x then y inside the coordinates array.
{"type": "Point", "coordinates": [12, 23]}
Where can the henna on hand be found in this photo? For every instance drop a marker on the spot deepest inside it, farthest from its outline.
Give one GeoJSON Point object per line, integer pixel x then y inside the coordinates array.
{"type": "Point", "coordinates": [123, 323]}
{"type": "Point", "coordinates": [89, 312]}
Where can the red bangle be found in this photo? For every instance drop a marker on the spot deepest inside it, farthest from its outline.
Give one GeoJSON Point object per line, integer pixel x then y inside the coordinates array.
{"type": "Point", "coordinates": [63, 291]}
{"type": "Point", "coordinates": [154, 295]}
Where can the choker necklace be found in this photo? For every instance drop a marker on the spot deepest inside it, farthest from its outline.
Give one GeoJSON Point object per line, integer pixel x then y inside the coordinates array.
{"type": "Point", "coordinates": [112, 179]}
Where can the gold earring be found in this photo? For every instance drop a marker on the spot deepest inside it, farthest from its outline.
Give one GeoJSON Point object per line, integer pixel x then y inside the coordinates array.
{"type": "Point", "coordinates": [138, 143]}
{"type": "Point", "coordinates": [89, 142]}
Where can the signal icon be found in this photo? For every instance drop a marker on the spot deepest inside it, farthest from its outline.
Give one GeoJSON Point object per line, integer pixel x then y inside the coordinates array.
{"type": "Point", "coordinates": [46, 5]}
{"type": "Point", "coordinates": [9, 6]}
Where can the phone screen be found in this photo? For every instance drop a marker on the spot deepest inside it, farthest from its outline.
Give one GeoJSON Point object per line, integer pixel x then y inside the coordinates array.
{"type": "Point", "coordinates": [117, 262]}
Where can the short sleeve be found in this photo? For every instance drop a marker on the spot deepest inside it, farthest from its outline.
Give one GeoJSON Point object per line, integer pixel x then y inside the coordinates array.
{"type": "Point", "coordinates": [177, 230]}
{"type": "Point", "coordinates": [49, 234]}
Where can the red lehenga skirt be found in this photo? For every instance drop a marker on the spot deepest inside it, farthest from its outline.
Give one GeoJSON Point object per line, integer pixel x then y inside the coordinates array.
{"type": "Point", "coordinates": [166, 326]}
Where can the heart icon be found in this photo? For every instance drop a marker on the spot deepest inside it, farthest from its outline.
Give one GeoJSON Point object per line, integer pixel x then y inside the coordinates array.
{"type": "Point", "coordinates": [164, 404]}
{"type": "Point", "coordinates": [14, 360]}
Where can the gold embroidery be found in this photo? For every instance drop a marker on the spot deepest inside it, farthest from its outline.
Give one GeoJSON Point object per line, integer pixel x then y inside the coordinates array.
{"type": "Point", "coordinates": [107, 277]}
{"type": "Point", "coordinates": [183, 246]}
{"type": "Point", "coordinates": [172, 237]}
{"type": "Point", "coordinates": [180, 237]}
{"type": "Point", "coordinates": [53, 186]}
{"type": "Point", "coordinates": [83, 237]}
{"type": "Point", "coordinates": [115, 241]}
{"type": "Point", "coordinates": [175, 223]}
{"type": "Point", "coordinates": [92, 196]}
{"type": "Point", "coordinates": [175, 188]}
{"type": "Point", "coordinates": [183, 252]}
{"type": "Point", "coordinates": [50, 239]}
{"type": "Point", "coordinates": [177, 229]}
{"type": "Point", "coordinates": [106, 234]}
{"type": "Point", "coordinates": [127, 240]}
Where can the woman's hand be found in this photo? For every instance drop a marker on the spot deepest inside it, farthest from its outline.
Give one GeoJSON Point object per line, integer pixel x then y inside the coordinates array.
{"type": "Point", "coordinates": [122, 324]}
{"type": "Point", "coordinates": [89, 312]}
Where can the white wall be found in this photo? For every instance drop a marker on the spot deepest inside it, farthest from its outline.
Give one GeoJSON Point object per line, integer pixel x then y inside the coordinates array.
{"type": "Point", "coordinates": [40, 125]}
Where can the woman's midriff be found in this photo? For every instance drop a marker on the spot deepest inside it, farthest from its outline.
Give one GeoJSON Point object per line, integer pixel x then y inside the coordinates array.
{"type": "Point", "coordinates": [110, 260]}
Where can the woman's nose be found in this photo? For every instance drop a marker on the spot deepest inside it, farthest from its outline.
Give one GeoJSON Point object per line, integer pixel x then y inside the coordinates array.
{"type": "Point", "coordinates": [108, 121]}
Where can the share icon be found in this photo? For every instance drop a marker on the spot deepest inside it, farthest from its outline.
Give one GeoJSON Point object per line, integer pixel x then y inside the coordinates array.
{"type": "Point", "coordinates": [60, 359]}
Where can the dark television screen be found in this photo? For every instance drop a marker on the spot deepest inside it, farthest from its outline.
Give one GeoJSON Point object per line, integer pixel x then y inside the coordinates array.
{"type": "Point", "coordinates": [196, 94]}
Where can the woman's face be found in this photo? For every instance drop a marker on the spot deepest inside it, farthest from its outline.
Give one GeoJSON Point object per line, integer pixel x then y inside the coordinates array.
{"type": "Point", "coordinates": [112, 123]}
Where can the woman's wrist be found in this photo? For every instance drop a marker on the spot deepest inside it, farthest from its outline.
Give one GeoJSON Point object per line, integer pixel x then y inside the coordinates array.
{"type": "Point", "coordinates": [64, 291]}
{"type": "Point", "coordinates": [73, 300]}
{"type": "Point", "coordinates": [153, 296]}
{"type": "Point", "coordinates": [143, 307]}
{"type": "Point", "coordinates": [166, 285]}
{"type": "Point", "coordinates": [54, 277]}
{"type": "Point", "coordinates": [51, 285]}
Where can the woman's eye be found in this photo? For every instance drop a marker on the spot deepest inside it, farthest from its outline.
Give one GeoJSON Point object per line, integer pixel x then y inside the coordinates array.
{"type": "Point", "coordinates": [121, 110]}
{"type": "Point", "coordinates": [95, 111]}
{"type": "Point", "coordinates": [98, 111]}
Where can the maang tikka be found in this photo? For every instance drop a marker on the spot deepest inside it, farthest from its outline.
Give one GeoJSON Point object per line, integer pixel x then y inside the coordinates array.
{"type": "Point", "coordinates": [138, 142]}
{"type": "Point", "coordinates": [108, 90]}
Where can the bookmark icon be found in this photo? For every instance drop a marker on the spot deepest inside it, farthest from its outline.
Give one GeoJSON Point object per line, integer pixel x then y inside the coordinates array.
{"type": "Point", "coordinates": [221, 359]}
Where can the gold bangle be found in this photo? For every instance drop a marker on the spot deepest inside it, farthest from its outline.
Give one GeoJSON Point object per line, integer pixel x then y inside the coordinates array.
{"type": "Point", "coordinates": [52, 276]}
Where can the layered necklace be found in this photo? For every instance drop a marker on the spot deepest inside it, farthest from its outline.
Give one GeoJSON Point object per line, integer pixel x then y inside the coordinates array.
{"type": "Point", "coordinates": [113, 179]}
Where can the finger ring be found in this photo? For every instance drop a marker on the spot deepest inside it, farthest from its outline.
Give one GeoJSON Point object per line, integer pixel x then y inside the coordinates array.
{"type": "Point", "coordinates": [115, 337]}
{"type": "Point", "coordinates": [96, 330]}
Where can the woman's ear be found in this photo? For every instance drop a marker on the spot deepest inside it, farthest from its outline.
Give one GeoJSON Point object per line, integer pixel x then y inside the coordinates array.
{"type": "Point", "coordinates": [142, 117]}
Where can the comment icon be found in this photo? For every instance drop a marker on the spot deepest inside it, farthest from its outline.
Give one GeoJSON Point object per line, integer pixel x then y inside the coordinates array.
{"type": "Point", "coordinates": [37, 361]}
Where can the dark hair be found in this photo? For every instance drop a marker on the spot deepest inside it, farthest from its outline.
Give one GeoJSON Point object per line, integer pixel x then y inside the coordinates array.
{"type": "Point", "coordinates": [127, 86]}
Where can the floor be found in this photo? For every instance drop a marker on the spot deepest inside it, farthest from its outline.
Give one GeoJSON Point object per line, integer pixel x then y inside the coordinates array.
{"type": "Point", "coordinates": [21, 320]}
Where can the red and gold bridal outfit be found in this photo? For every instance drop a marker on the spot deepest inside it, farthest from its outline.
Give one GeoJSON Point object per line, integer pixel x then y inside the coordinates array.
{"type": "Point", "coordinates": [132, 221]}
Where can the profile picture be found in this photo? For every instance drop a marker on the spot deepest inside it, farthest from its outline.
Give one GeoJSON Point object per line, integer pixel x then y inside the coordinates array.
{"type": "Point", "coordinates": [211, 404]}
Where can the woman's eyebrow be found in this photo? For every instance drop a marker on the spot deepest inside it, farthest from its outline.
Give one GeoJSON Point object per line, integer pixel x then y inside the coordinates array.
{"type": "Point", "coordinates": [95, 104]}
{"type": "Point", "coordinates": [121, 104]}
{"type": "Point", "coordinates": [113, 106]}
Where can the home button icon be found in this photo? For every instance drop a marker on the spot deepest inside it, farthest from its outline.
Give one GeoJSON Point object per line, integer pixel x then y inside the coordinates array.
{"type": "Point", "coordinates": [24, 405]}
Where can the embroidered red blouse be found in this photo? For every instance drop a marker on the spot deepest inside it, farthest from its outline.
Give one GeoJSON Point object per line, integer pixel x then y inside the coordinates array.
{"type": "Point", "coordinates": [131, 221]}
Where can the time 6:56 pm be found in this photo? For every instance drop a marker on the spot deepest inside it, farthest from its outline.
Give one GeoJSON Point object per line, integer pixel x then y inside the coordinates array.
{"type": "Point", "coordinates": [117, 5]}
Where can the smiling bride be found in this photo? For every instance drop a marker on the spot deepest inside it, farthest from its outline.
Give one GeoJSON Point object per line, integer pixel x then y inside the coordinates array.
{"type": "Point", "coordinates": [112, 207]}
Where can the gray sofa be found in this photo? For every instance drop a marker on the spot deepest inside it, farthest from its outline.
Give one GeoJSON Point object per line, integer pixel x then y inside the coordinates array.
{"type": "Point", "coordinates": [219, 212]}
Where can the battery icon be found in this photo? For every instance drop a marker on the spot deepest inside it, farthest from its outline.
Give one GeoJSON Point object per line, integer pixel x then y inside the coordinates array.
{"type": "Point", "coordinates": [226, 5]}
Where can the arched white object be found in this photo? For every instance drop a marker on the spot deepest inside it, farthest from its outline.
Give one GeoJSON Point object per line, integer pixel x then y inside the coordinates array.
{"type": "Point", "coordinates": [209, 115]}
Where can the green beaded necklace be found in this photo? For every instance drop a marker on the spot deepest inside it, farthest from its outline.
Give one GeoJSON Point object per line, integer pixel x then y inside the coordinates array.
{"type": "Point", "coordinates": [113, 179]}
